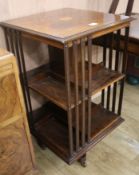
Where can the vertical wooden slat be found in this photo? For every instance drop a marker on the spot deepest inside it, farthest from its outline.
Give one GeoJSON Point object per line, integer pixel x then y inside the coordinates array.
{"type": "Point", "coordinates": [116, 68]}
{"type": "Point", "coordinates": [105, 51]}
{"type": "Point", "coordinates": [7, 39]}
{"type": "Point", "coordinates": [125, 54]}
{"type": "Point", "coordinates": [104, 64]}
{"type": "Point", "coordinates": [24, 69]}
{"type": "Point", "coordinates": [83, 89]}
{"type": "Point", "coordinates": [121, 96]}
{"type": "Point", "coordinates": [110, 67]}
{"type": "Point", "coordinates": [114, 97]}
{"type": "Point", "coordinates": [113, 6]}
{"type": "Point", "coordinates": [75, 53]}
{"type": "Point", "coordinates": [129, 7]}
{"type": "Point", "coordinates": [14, 47]}
{"type": "Point", "coordinates": [117, 49]}
{"type": "Point", "coordinates": [68, 89]}
{"type": "Point", "coordinates": [11, 37]}
{"type": "Point", "coordinates": [25, 82]}
{"type": "Point", "coordinates": [108, 97]}
{"type": "Point", "coordinates": [111, 50]}
{"type": "Point", "coordinates": [20, 70]}
{"type": "Point", "coordinates": [124, 66]}
{"type": "Point", "coordinates": [103, 97]}
{"type": "Point", "coordinates": [89, 85]}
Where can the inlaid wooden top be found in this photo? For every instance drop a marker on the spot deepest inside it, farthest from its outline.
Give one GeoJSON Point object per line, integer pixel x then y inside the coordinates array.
{"type": "Point", "coordinates": [65, 24]}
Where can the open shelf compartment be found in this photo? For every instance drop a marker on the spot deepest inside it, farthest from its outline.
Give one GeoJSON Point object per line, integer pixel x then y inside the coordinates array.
{"type": "Point", "coordinates": [54, 133]}
{"type": "Point", "coordinates": [51, 88]}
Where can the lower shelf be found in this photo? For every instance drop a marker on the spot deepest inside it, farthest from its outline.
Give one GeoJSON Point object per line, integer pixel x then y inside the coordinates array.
{"type": "Point", "coordinates": [54, 133]}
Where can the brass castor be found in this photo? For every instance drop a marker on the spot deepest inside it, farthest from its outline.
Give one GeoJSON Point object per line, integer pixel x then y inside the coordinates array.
{"type": "Point", "coordinates": [82, 161]}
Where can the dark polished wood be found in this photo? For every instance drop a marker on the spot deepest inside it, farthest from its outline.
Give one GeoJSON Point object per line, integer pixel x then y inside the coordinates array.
{"type": "Point", "coordinates": [70, 124]}
{"type": "Point", "coordinates": [54, 90]}
{"type": "Point", "coordinates": [64, 24]}
{"type": "Point", "coordinates": [102, 121]}
{"type": "Point", "coordinates": [113, 6]}
{"type": "Point", "coordinates": [129, 7]}
{"type": "Point", "coordinates": [133, 47]}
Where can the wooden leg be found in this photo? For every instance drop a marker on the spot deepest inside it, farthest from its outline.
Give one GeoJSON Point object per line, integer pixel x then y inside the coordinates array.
{"type": "Point", "coordinates": [82, 161]}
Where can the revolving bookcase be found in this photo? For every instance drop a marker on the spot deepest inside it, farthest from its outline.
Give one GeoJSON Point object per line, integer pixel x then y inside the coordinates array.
{"type": "Point", "coordinates": [71, 123]}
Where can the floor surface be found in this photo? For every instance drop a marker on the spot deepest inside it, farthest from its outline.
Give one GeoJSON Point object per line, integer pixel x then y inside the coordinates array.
{"type": "Point", "coordinates": [117, 154]}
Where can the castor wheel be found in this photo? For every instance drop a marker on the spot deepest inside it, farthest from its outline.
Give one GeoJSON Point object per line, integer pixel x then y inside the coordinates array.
{"type": "Point", "coordinates": [82, 161]}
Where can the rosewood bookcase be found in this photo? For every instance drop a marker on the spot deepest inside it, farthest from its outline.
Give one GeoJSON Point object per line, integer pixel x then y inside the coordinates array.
{"type": "Point", "coordinates": [71, 123]}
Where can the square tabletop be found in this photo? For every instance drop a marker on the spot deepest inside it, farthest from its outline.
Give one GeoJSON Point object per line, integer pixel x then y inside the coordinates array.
{"type": "Point", "coordinates": [64, 24]}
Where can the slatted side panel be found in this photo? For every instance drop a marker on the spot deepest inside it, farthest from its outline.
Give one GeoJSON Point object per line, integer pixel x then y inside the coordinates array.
{"type": "Point", "coordinates": [83, 111]}
{"type": "Point", "coordinates": [89, 57]}
{"type": "Point", "coordinates": [116, 67]}
{"type": "Point", "coordinates": [124, 66]}
{"type": "Point", "coordinates": [110, 62]}
{"type": "Point", "coordinates": [103, 93]}
{"type": "Point", "coordinates": [79, 118]}
{"type": "Point", "coordinates": [68, 89]}
{"type": "Point", "coordinates": [114, 59]}
{"type": "Point", "coordinates": [76, 84]}
{"type": "Point", "coordinates": [14, 45]}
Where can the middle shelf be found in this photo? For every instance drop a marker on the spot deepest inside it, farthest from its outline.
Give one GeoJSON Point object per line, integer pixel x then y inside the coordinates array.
{"type": "Point", "coordinates": [48, 86]}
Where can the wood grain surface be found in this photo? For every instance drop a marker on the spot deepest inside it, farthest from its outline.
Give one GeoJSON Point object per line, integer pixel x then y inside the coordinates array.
{"type": "Point", "coordinates": [9, 99]}
{"type": "Point", "coordinates": [63, 24]}
{"type": "Point", "coordinates": [55, 91]}
{"type": "Point", "coordinates": [117, 154]}
{"type": "Point", "coordinates": [14, 153]}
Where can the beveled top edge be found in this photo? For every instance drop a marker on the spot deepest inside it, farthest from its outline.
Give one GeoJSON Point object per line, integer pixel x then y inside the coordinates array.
{"type": "Point", "coordinates": [72, 37]}
{"type": "Point", "coordinates": [4, 24]}
{"type": "Point", "coordinates": [90, 32]}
